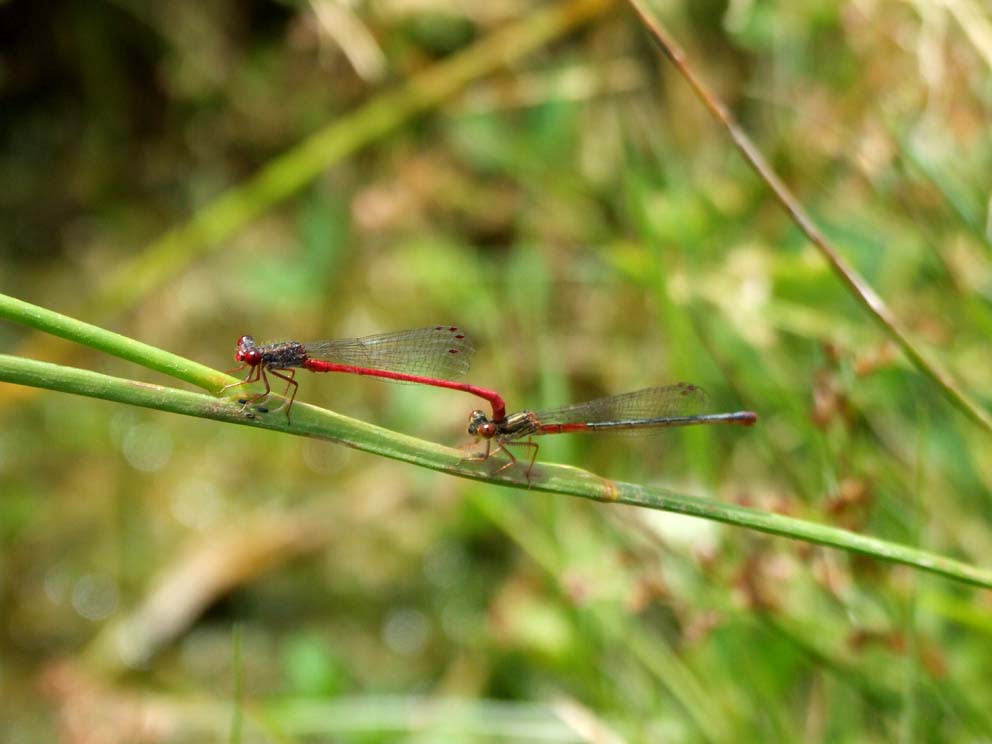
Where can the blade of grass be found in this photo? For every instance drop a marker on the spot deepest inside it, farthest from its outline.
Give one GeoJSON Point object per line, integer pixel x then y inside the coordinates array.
{"type": "Point", "coordinates": [317, 422]}
{"type": "Point", "coordinates": [952, 192]}
{"type": "Point", "coordinates": [909, 729]}
{"type": "Point", "coordinates": [101, 339]}
{"type": "Point", "coordinates": [237, 725]}
{"type": "Point", "coordinates": [858, 286]}
{"type": "Point", "coordinates": [976, 26]}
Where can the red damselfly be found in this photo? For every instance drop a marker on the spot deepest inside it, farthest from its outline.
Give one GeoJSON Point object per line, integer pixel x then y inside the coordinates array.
{"type": "Point", "coordinates": [640, 411]}
{"type": "Point", "coordinates": [426, 356]}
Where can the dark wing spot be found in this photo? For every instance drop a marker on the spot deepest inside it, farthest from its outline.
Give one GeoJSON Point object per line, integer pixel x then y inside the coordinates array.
{"type": "Point", "coordinates": [453, 329]}
{"type": "Point", "coordinates": [452, 351]}
{"type": "Point", "coordinates": [460, 336]}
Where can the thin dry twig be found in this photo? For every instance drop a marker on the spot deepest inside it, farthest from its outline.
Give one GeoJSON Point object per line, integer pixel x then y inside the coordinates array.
{"type": "Point", "coordinates": [857, 284]}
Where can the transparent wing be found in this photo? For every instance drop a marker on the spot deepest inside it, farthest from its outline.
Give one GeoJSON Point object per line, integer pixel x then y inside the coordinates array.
{"type": "Point", "coordinates": [680, 399]}
{"type": "Point", "coordinates": [436, 351]}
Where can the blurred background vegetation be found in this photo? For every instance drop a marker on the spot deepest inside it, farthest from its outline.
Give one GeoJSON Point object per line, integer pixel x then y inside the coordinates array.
{"type": "Point", "coordinates": [574, 207]}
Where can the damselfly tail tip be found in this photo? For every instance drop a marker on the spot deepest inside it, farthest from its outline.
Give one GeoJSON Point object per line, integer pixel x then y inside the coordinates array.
{"type": "Point", "coordinates": [747, 418]}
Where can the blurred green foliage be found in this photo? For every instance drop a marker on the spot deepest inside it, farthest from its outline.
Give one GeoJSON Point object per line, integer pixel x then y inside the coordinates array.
{"type": "Point", "coordinates": [580, 213]}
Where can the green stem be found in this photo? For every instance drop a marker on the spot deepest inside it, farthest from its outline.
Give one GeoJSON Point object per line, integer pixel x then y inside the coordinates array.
{"type": "Point", "coordinates": [101, 339]}
{"type": "Point", "coordinates": [317, 422]}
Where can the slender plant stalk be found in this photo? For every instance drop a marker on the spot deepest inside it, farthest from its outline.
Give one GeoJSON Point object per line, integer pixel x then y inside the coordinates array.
{"type": "Point", "coordinates": [238, 670]}
{"type": "Point", "coordinates": [856, 284]}
{"type": "Point", "coordinates": [317, 422]}
{"type": "Point", "coordinates": [56, 324]}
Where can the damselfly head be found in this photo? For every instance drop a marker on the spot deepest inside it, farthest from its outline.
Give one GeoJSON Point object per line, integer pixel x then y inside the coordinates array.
{"type": "Point", "coordinates": [248, 352]}
{"type": "Point", "coordinates": [479, 425]}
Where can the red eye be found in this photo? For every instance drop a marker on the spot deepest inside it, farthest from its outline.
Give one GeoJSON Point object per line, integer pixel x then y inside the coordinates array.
{"type": "Point", "coordinates": [248, 352]}
{"type": "Point", "coordinates": [249, 356]}
{"type": "Point", "coordinates": [487, 430]}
